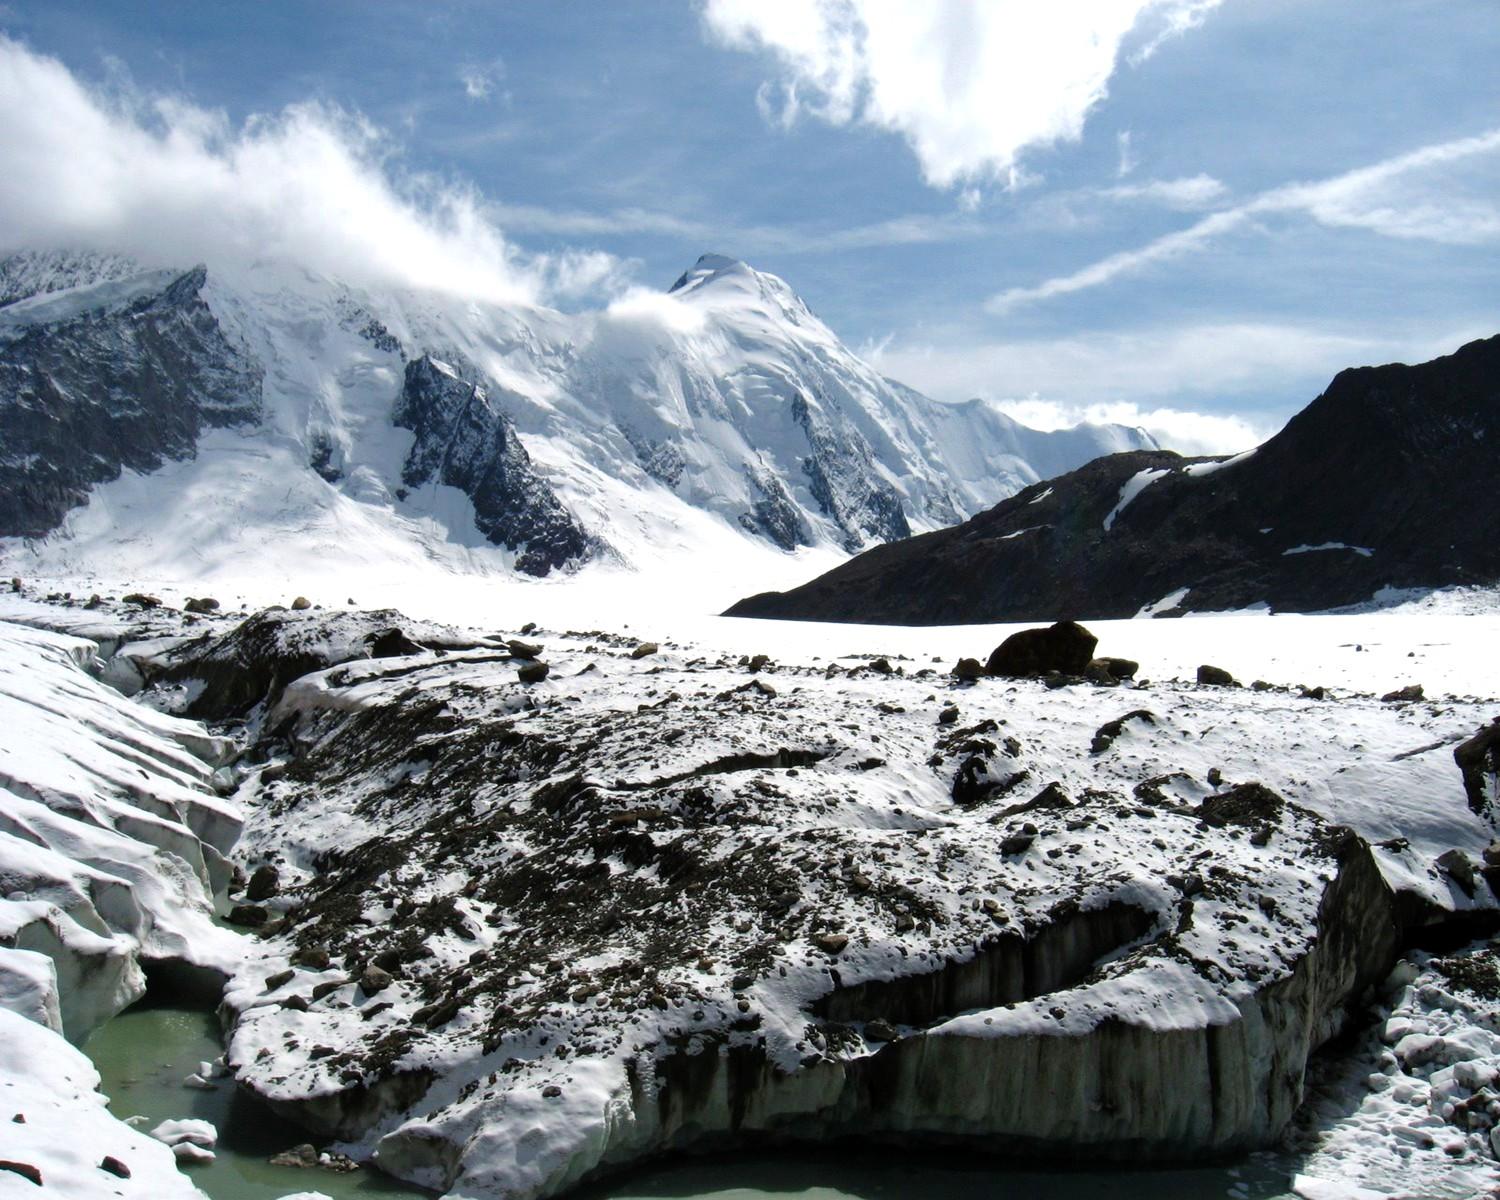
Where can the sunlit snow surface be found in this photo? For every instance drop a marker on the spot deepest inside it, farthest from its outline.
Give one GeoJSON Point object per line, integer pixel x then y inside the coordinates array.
{"type": "Point", "coordinates": [1387, 770]}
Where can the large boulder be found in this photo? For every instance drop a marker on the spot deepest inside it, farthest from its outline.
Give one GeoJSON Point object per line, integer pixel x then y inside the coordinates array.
{"type": "Point", "coordinates": [1066, 647]}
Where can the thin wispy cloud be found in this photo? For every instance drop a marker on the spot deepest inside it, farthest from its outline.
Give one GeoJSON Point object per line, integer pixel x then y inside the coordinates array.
{"type": "Point", "coordinates": [1132, 376]}
{"type": "Point", "coordinates": [969, 86]}
{"type": "Point", "coordinates": [1190, 192]}
{"type": "Point", "coordinates": [1379, 198]}
{"type": "Point", "coordinates": [913, 230]}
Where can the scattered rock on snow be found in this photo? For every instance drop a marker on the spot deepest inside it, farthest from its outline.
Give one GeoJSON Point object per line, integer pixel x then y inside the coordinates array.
{"type": "Point", "coordinates": [1216, 676]}
{"type": "Point", "coordinates": [966, 670]}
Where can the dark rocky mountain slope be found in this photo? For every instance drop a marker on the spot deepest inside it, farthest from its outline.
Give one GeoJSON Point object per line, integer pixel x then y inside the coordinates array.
{"type": "Point", "coordinates": [108, 375]}
{"type": "Point", "coordinates": [1387, 480]}
{"type": "Point", "coordinates": [465, 442]}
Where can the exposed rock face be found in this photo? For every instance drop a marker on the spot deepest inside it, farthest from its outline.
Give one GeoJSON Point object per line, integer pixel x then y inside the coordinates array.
{"type": "Point", "coordinates": [1065, 646]}
{"type": "Point", "coordinates": [111, 374]}
{"type": "Point", "coordinates": [572, 935]}
{"type": "Point", "coordinates": [1478, 761]}
{"type": "Point", "coordinates": [1386, 480]}
{"type": "Point", "coordinates": [842, 475]}
{"type": "Point", "coordinates": [464, 441]}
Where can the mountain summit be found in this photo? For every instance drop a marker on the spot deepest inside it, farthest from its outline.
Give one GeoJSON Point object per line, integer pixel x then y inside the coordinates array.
{"type": "Point", "coordinates": [152, 413]}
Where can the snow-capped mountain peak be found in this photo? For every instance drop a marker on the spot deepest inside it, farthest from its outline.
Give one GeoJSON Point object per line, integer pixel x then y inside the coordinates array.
{"type": "Point", "coordinates": [405, 426]}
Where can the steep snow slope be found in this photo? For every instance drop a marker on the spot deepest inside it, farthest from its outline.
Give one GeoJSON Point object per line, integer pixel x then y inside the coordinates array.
{"type": "Point", "coordinates": [720, 414]}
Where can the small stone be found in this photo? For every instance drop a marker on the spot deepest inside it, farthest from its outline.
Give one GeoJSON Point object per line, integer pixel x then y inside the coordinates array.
{"type": "Point", "coordinates": [880, 1030]}
{"type": "Point", "coordinates": [264, 883]}
{"type": "Point", "coordinates": [201, 604]}
{"type": "Point", "coordinates": [305, 1156]}
{"type": "Point", "coordinates": [949, 716]}
{"type": "Point", "coordinates": [968, 669]}
{"type": "Point", "coordinates": [758, 662]}
{"type": "Point", "coordinates": [114, 1166]}
{"type": "Point", "coordinates": [280, 979]}
{"type": "Point", "coordinates": [24, 1170]}
{"type": "Point", "coordinates": [1404, 695]}
{"type": "Point", "coordinates": [831, 943]}
{"type": "Point", "coordinates": [1456, 865]}
{"type": "Point", "coordinates": [551, 1092]}
{"type": "Point", "coordinates": [882, 666]}
{"type": "Point", "coordinates": [374, 980]}
{"type": "Point", "coordinates": [1216, 676]}
{"type": "Point", "coordinates": [301, 603]}
{"type": "Point", "coordinates": [644, 650]}
{"type": "Point", "coordinates": [520, 649]}
{"type": "Point", "coordinates": [533, 672]}
{"type": "Point", "coordinates": [314, 958]}
{"type": "Point", "coordinates": [140, 600]}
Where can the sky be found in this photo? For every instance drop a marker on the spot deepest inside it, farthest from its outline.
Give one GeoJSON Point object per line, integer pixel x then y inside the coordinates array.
{"type": "Point", "coordinates": [1184, 214]}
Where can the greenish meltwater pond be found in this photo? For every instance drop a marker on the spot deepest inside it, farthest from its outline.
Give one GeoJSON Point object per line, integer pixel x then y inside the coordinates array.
{"type": "Point", "coordinates": [144, 1054]}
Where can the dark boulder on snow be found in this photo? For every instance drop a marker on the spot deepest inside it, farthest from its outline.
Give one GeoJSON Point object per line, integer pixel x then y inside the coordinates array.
{"type": "Point", "coordinates": [1386, 480]}
{"type": "Point", "coordinates": [1214, 676]}
{"type": "Point", "coordinates": [1066, 647]}
{"type": "Point", "coordinates": [464, 441]}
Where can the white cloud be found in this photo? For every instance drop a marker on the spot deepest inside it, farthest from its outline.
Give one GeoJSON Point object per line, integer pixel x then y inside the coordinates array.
{"type": "Point", "coordinates": [970, 86]}
{"type": "Point", "coordinates": [1158, 378]}
{"type": "Point", "coordinates": [1128, 161]}
{"type": "Point", "coordinates": [1189, 193]}
{"type": "Point", "coordinates": [914, 229]}
{"type": "Point", "coordinates": [1395, 198]}
{"type": "Point", "coordinates": [172, 183]}
{"type": "Point", "coordinates": [479, 79]}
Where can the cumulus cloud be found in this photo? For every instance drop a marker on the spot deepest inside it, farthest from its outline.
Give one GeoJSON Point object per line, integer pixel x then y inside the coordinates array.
{"type": "Point", "coordinates": [172, 183]}
{"type": "Point", "coordinates": [970, 86]}
{"type": "Point", "coordinates": [1411, 196]}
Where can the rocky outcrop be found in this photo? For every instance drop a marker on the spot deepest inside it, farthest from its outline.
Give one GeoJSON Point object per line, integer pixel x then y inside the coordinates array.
{"type": "Point", "coordinates": [464, 441]}
{"type": "Point", "coordinates": [1384, 481]}
{"type": "Point", "coordinates": [226, 674]}
{"type": "Point", "coordinates": [1478, 760]}
{"type": "Point", "coordinates": [109, 376]}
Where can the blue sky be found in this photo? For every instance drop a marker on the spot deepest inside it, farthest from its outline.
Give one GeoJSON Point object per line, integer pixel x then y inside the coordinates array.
{"type": "Point", "coordinates": [1187, 213]}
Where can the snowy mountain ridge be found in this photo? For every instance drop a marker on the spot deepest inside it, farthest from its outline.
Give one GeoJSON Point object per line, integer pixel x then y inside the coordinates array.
{"type": "Point", "coordinates": [720, 414]}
